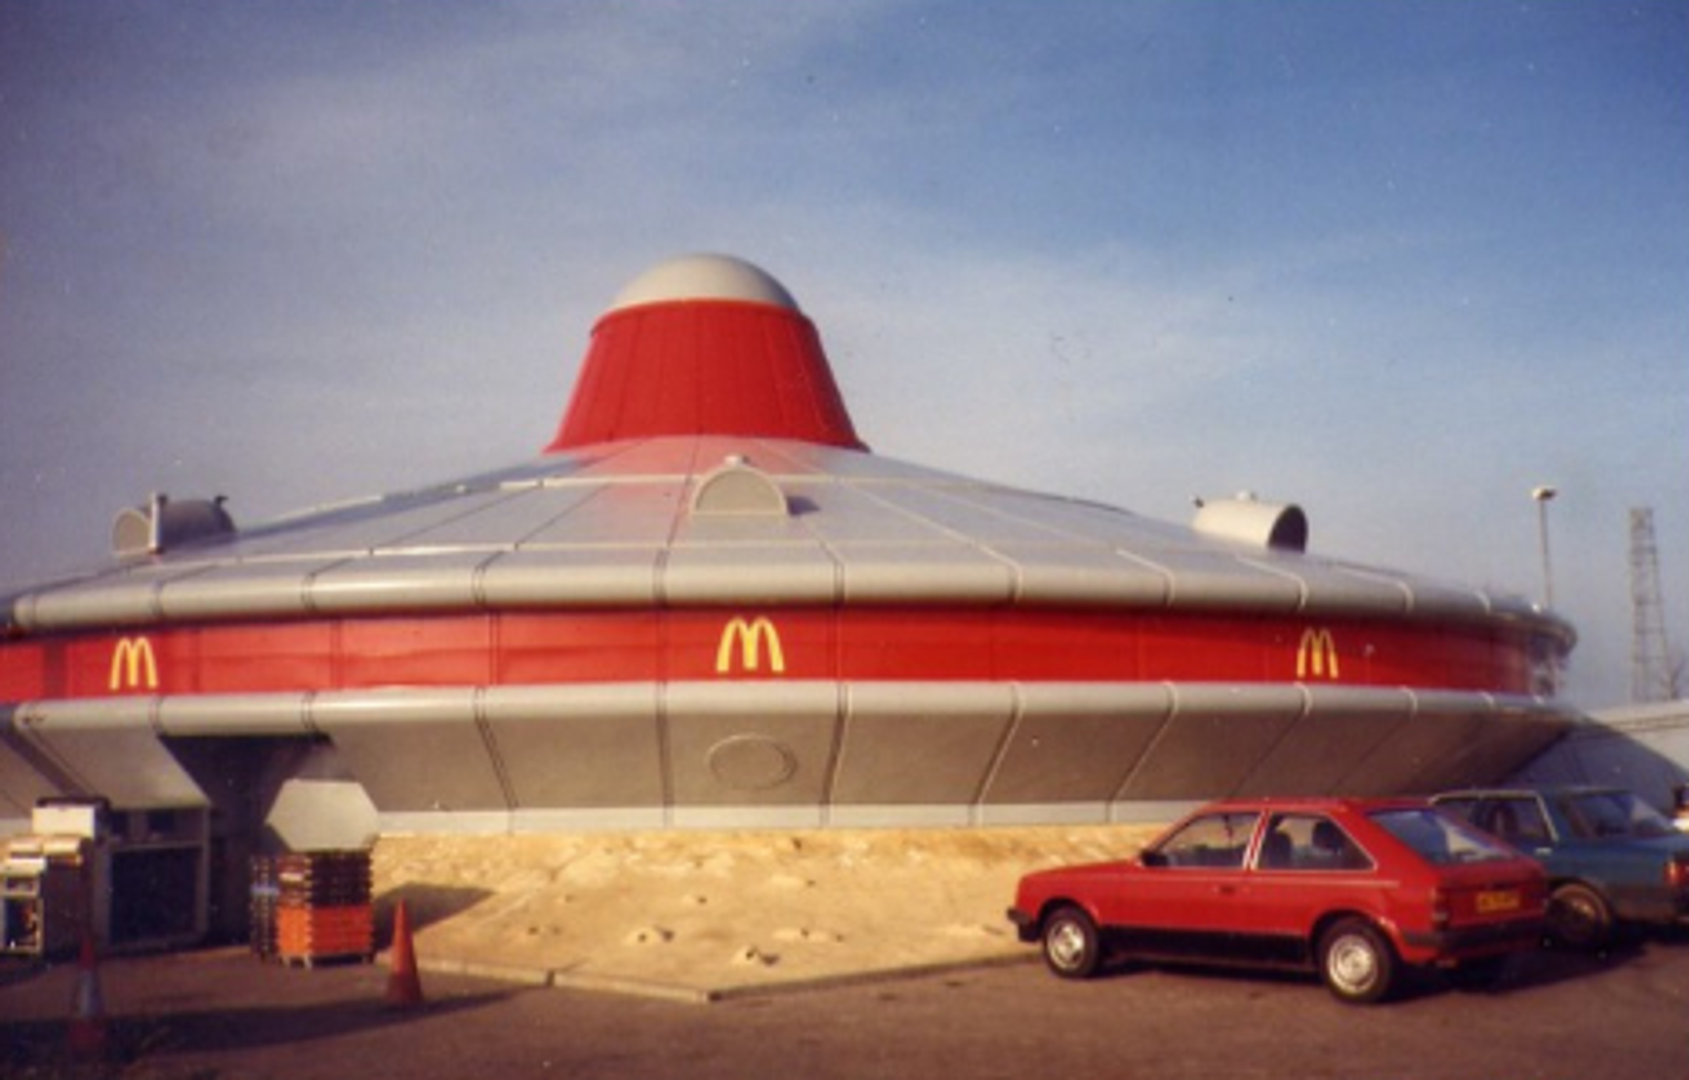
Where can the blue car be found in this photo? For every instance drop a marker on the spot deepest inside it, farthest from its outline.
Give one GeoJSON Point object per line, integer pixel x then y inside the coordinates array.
{"type": "Point", "coordinates": [1611, 858]}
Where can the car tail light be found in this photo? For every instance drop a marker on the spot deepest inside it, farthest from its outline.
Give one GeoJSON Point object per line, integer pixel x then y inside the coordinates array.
{"type": "Point", "coordinates": [1442, 911]}
{"type": "Point", "coordinates": [1677, 872]}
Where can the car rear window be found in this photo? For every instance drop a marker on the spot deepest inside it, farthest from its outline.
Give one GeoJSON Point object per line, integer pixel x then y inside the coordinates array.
{"type": "Point", "coordinates": [1439, 838]}
{"type": "Point", "coordinates": [1595, 815]}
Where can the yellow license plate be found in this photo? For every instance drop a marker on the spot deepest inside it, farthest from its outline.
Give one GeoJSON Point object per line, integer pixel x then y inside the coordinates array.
{"type": "Point", "coordinates": [1498, 900]}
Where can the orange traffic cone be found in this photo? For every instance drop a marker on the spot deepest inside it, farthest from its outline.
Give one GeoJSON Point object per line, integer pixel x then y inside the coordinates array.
{"type": "Point", "coordinates": [87, 1034]}
{"type": "Point", "coordinates": [404, 987]}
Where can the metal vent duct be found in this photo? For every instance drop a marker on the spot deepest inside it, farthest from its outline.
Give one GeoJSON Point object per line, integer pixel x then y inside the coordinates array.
{"type": "Point", "coordinates": [1247, 520]}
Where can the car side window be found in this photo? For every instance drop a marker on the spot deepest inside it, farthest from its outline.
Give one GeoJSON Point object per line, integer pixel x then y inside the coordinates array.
{"type": "Point", "coordinates": [1212, 841]}
{"type": "Point", "coordinates": [1518, 821]}
{"type": "Point", "coordinates": [1309, 842]}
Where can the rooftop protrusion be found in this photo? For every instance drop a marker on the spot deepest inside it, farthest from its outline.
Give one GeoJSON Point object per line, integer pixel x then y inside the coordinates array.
{"type": "Point", "coordinates": [705, 345]}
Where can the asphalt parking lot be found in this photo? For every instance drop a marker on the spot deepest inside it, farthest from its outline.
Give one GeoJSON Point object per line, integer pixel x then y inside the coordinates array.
{"type": "Point", "coordinates": [221, 1014]}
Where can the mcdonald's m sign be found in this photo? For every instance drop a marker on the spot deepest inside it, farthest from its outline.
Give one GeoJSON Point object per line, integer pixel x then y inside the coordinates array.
{"type": "Point", "coordinates": [1316, 654]}
{"type": "Point", "coordinates": [749, 637]}
{"type": "Point", "coordinates": [133, 666]}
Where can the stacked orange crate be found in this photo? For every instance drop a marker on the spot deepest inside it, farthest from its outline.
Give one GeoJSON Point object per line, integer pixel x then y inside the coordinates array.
{"type": "Point", "coordinates": [323, 909]}
{"type": "Point", "coordinates": [322, 933]}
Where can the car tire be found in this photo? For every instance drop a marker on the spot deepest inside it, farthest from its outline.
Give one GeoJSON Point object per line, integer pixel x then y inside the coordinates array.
{"type": "Point", "coordinates": [1072, 944]}
{"type": "Point", "coordinates": [1357, 962]}
{"type": "Point", "coordinates": [1578, 917]}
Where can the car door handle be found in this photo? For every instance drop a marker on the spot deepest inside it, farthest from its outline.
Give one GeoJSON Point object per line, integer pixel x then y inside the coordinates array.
{"type": "Point", "coordinates": [1226, 890]}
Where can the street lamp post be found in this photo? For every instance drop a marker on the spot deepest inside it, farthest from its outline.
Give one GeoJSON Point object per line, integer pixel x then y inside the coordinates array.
{"type": "Point", "coordinates": [1542, 495]}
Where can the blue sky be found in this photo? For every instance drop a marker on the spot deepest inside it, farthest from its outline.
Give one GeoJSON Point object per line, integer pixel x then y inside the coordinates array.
{"type": "Point", "coordinates": [1396, 262]}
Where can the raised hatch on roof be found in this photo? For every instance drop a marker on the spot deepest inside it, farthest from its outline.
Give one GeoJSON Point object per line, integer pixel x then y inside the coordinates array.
{"type": "Point", "coordinates": [705, 345]}
{"type": "Point", "coordinates": [704, 277]}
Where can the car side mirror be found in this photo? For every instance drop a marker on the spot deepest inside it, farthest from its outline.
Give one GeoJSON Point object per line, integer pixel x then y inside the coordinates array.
{"type": "Point", "coordinates": [1152, 858]}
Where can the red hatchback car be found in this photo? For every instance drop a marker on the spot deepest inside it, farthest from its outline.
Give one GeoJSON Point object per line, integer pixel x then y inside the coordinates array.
{"type": "Point", "coordinates": [1352, 888]}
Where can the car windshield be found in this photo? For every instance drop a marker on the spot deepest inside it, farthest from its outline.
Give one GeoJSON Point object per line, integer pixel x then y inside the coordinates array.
{"type": "Point", "coordinates": [1601, 815]}
{"type": "Point", "coordinates": [1439, 838]}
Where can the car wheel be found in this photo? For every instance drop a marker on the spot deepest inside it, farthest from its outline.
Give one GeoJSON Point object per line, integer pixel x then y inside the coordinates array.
{"type": "Point", "coordinates": [1072, 946]}
{"type": "Point", "coordinates": [1578, 917]}
{"type": "Point", "coordinates": [1357, 963]}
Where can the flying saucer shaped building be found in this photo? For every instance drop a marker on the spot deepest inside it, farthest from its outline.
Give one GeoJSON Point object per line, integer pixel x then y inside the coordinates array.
{"type": "Point", "coordinates": [707, 603]}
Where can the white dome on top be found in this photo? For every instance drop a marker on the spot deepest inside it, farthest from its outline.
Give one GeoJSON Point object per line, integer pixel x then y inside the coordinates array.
{"type": "Point", "coordinates": [704, 277]}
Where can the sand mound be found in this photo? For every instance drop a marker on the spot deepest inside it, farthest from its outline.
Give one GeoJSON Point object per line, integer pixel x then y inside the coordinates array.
{"type": "Point", "coordinates": [705, 911]}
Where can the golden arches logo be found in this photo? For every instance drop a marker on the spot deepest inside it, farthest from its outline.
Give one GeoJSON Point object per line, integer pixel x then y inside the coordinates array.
{"type": "Point", "coordinates": [133, 666]}
{"type": "Point", "coordinates": [1316, 654]}
{"type": "Point", "coordinates": [749, 636]}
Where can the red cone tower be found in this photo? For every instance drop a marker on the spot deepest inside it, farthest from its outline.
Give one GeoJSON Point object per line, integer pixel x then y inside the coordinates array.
{"type": "Point", "coordinates": [705, 345]}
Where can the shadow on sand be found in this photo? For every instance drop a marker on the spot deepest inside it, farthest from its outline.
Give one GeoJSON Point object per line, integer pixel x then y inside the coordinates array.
{"type": "Point", "coordinates": [424, 905]}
